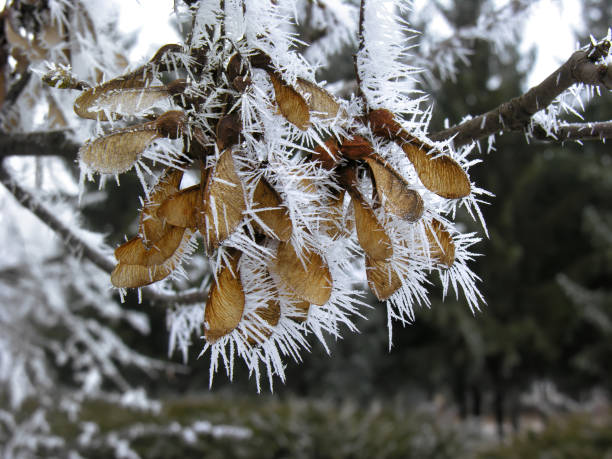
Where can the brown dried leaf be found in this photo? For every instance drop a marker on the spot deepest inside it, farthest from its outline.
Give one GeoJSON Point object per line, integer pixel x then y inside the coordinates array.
{"type": "Point", "coordinates": [152, 228]}
{"type": "Point", "coordinates": [277, 220]}
{"type": "Point", "coordinates": [225, 304]}
{"type": "Point", "coordinates": [382, 278]}
{"type": "Point", "coordinates": [370, 233]}
{"type": "Point", "coordinates": [399, 199]}
{"type": "Point", "coordinates": [134, 252]}
{"type": "Point", "coordinates": [134, 276]}
{"type": "Point", "coordinates": [318, 99]}
{"type": "Point", "coordinates": [312, 283]}
{"type": "Point", "coordinates": [290, 103]}
{"type": "Point", "coordinates": [181, 209]}
{"type": "Point", "coordinates": [441, 174]}
{"type": "Point", "coordinates": [117, 152]}
{"type": "Point", "coordinates": [441, 245]}
{"type": "Point", "coordinates": [223, 203]}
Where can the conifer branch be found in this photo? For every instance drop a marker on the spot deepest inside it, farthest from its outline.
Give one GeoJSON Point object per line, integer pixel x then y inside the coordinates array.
{"type": "Point", "coordinates": [514, 115]}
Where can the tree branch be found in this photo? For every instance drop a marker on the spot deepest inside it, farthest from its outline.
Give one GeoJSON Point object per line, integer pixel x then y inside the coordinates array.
{"type": "Point", "coordinates": [48, 143]}
{"type": "Point", "coordinates": [80, 247]}
{"type": "Point", "coordinates": [514, 115]}
{"type": "Point", "coordinates": [577, 131]}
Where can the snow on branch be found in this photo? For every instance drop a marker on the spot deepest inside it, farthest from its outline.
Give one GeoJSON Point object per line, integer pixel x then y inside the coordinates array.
{"type": "Point", "coordinates": [583, 67]}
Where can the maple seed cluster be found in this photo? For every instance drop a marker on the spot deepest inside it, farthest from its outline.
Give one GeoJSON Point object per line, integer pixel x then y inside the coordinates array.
{"type": "Point", "coordinates": [215, 207]}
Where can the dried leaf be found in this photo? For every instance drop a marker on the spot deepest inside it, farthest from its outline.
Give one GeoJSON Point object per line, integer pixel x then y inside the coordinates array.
{"type": "Point", "coordinates": [225, 304]}
{"type": "Point", "coordinates": [275, 217]}
{"type": "Point", "coordinates": [181, 209]}
{"type": "Point", "coordinates": [370, 233]}
{"type": "Point", "coordinates": [152, 228]}
{"type": "Point", "coordinates": [223, 203]}
{"type": "Point", "coordinates": [393, 190]}
{"type": "Point", "coordinates": [440, 174]}
{"type": "Point", "coordinates": [382, 278]}
{"type": "Point", "coordinates": [310, 281]}
{"type": "Point", "coordinates": [134, 252]}
{"type": "Point", "coordinates": [318, 99]}
{"type": "Point", "coordinates": [441, 245]}
{"type": "Point", "coordinates": [134, 276]}
{"type": "Point", "coordinates": [290, 103]}
{"type": "Point", "coordinates": [117, 152]}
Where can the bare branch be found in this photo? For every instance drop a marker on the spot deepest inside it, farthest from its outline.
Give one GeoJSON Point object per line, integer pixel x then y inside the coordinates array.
{"type": "Point", "coordinates": [514, 115]}
{"type": "Point", "coordinates": [49, 143]}
{"type": "Point", "coordinates": [80, 247]}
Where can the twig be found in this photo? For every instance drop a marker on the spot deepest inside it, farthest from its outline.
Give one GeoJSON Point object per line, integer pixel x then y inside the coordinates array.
{"type": "Point", "coordinates": [514, 115]}
{"type": "Point", "coordinates": [360, 51]}
{"type": "Point", "coordinates": [49, 143]}
{"type": "Point", "coordinates": [577, 131]}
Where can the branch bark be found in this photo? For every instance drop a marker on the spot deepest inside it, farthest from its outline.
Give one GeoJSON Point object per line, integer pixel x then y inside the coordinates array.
{"type": "Point", "coordinates": [48, 143]}
{"type": "Point", "coordinates": [581, 67]}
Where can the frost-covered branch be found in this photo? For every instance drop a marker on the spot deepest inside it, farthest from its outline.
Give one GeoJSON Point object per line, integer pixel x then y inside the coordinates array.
{"type": "Point", "coordinates": [514, 115]}
{"type": "Point", "coordinates": [577, 131]}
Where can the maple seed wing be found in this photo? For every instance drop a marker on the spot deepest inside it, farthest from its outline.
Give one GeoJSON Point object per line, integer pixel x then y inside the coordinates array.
{"type": "Point", "coordinates": [440, 174]}
{"type": "Point", "coordinates": [318, 99]}
{"type": "Point", "coordinates": [313, 283]}
{"type": "Point", "coordinates": [441, 245]}
{"type": "Point", "coordinates": [181, 208]}
{"type": "Point", "coordinates": [223, 203]}
{"type": "Point", "coordinates": [134, 276]}
{"type": "Point", "coordinates": [382, 278]}
{"type": "Point", "coordinates": [225, 304]}
{"type": "Point", "coordinates": [370, 233]}
{"type": "Point", "coordinates": [277, 219]}
{"type": "Point", "coordinates": [290, 103]}
{"type": "Point", "coordinates": [151, 228]}
{"type": "Point", "coordinates": [134, 252]}
{"type": "Point", "coordinates": [117, 152]}
{"type": "Point", "coordinates": [399, 199]}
